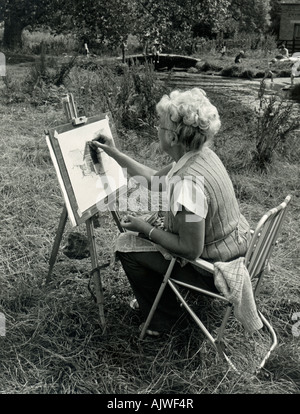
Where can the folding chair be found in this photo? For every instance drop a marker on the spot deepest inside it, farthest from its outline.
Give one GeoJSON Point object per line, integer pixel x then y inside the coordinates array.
{"type": "Point", "coordinates": [257, 262]}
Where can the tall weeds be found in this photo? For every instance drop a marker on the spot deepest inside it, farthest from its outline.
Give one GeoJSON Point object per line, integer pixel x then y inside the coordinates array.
{"type": "Point", "coordinates": [276, 119]}
{"type": "Point", "coordinates": [130, 93]}
{"type": "Point", "coordinates": [139, 92]}
{"type": "Point", "coordinates": [33, 42]}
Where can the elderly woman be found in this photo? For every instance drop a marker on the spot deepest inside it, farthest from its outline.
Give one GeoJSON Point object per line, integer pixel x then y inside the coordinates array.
{"type": "Point", "coordinates": [202, 218]}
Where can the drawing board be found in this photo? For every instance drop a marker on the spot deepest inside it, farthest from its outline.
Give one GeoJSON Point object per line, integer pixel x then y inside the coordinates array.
{"type": "Point", "coordinates": [89, 184]}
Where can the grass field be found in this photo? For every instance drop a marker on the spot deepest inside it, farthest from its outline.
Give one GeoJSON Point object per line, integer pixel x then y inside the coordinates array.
{"type": "Point", "coordinates": [53, 342]}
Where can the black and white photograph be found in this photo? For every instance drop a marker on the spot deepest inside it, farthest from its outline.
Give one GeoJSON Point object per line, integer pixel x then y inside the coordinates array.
{"type": "Point", "coordinates": [149, 201]}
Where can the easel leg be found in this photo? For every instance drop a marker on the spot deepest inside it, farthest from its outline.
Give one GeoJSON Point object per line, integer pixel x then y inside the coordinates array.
{"type": "Point", "coordinates": [58, 237]}
{"type": "Point", "coordinates": [96, 271]}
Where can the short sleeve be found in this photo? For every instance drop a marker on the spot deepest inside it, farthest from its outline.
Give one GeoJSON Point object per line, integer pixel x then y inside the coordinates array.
{"type": "Point", "coordinates": [189, 193]}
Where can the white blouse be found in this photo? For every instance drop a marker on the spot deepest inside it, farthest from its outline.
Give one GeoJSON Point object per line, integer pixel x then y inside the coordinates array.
{"type": "Point", "coordinates": [187, 191]}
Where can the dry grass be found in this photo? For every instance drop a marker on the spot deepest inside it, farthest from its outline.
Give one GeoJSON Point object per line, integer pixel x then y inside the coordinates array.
{"type": "Point", "coordinates": [53, 342]}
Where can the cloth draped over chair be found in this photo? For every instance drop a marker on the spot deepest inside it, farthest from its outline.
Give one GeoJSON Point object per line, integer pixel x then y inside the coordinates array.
{"type": "Point", "coordinates": [232, 279]}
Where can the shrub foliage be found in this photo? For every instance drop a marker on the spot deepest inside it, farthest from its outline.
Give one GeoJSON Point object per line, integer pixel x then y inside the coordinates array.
{"type": "Point", "coordinates": [276, 119]}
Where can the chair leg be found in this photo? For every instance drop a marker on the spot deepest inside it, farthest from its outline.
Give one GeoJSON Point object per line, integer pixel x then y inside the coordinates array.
{"type": "Point", "coordinates": [158, 296]}
{"type": "Point", "coordinates": [217, 343]}
{"type": "Point", "coordinates": [193, 314]}
{"type": "Point", "coordinates": [273, 344]}
{"type": "Point", "coordinates": [220, 345]}
{"type": "Point", "coordinates": [219, 337]}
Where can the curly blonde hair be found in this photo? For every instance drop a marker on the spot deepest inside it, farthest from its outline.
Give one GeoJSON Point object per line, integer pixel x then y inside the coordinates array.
{"type": "Point", "coordinates": [192, 116]}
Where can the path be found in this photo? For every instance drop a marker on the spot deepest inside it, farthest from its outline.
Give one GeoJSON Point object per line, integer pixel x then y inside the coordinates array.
{"type": "Point", "coordinates": [242, 89]}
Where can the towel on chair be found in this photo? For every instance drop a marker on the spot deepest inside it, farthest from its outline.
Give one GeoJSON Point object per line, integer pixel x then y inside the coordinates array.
{"type": "Point", "coordinates": [232, 279]}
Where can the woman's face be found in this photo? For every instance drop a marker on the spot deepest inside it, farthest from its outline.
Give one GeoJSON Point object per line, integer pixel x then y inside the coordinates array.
{"type": "Point", "coordinates": [165, 133]}
{"type": "Point", "coordinates": [163, 139]}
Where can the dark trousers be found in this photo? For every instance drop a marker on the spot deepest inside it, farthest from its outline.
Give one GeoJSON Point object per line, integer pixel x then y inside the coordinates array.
{"type": "Point", "coordinates": [145, 273]}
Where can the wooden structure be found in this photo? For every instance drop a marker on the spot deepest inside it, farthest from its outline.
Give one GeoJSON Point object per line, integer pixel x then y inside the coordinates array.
{"type": "Point", "coordinates": [166, 61]}
{"type": "Point", "coordinates": [290, 25]}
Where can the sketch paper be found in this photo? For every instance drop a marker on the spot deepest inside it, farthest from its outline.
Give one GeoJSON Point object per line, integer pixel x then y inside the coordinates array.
{"type": "Point", "coordinates": [91, 181]}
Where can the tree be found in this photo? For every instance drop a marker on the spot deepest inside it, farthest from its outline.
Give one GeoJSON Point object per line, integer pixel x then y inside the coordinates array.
{"type": "Point", "coordinates": [251, 15]}
{"type": "Point", "coordinates": [111, 21]}
{"type": "Point", "coordinates": [17, 14]}
{"type": "Point", "coordinates": [108, 21]}
{"type": "Point", "coordinates": [179, 21]}
{"type": "Point", "coordinates": [275, 17]}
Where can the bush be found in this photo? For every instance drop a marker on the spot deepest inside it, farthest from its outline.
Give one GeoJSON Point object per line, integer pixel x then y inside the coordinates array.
{"type": "Point", "coordinates": [247, 74]}
{"type": "Point", "coordinates": [275, 120]}
{"type": "Point", "coordinates": [94, 90]}
{"type": "Point", "coordinates": [44, 82]}
{"type": "Point", "coordinates": [231, 71]}
{"type": "Point", "coordinates": [13, 90]}
{"type": "Point", "coordinates": [139, 92]}
{"type": "Point", "coordinates": [209, 67]}
{"type": "Point", "coordinates": [238, 71]}
{"type": "Point", "coordinates": [34, 42]}
{"type": "Point", "coordinates": [130, 93]}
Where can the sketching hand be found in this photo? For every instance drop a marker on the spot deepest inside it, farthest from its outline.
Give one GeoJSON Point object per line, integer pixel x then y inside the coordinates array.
{"type": "Point", "coordinates": [134, 224]}
{"type": "Point", "coordinates": [104, 142]}
{"type": "Point", "coordinates": [104, 139]}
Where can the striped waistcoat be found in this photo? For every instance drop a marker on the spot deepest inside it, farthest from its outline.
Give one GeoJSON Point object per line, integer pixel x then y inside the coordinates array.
{"type": "Point", "coordinates": [227, 232]}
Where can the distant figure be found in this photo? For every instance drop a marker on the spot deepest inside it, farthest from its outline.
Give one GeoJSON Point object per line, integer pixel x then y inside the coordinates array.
{"type": "Point", "coordinates": [268, 71]}
{"type": "Point", "coordinates": [295, 71]}
{"type": "Point", "coordinates": [155, 51]}
{"type": "Point", "coordinates": [223, 50]}
{"type": "Point", "coordinates": [283, 51]}
{"type": "Point", "coordinates": [146, 43]}
{"type": "Point", "coordinates": [86, 49]}
{"type": "Point", "coordinates": [239, 57]}
{"type": "Point", "coordinates": [124, 48]}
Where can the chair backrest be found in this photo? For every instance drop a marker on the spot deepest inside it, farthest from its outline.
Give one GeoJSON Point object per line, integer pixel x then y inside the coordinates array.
{"type": "Point", "coordinates": [264, 239]}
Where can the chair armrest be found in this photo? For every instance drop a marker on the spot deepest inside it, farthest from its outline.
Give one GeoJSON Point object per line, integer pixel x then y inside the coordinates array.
{"type": "Point", "coordinates": [203, 264]}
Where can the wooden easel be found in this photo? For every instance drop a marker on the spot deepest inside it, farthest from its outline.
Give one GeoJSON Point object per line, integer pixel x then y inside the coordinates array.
{"type": "Point", "coordinates": [71, 114]}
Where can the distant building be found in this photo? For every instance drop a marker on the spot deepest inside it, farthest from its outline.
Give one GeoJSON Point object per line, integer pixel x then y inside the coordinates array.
{"type": "Point", "coordinates": [290, 25]}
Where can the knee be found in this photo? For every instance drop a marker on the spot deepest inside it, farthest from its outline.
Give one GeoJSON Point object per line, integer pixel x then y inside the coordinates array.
{"type": "Point", "coordinates": [127, 260]}
{"type": "Point", "coordinates": [123, 257]}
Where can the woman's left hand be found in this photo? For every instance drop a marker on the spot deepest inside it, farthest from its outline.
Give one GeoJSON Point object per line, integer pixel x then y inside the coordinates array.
{"type": "Point", "coordinates": [134, 224]}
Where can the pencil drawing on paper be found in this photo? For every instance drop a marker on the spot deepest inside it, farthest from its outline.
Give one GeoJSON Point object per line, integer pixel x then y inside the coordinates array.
{"type": "Point", "coordinates": [92, 176]}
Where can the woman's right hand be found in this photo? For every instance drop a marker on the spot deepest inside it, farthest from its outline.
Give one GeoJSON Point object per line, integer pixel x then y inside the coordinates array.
{"type": "Point", "coordinates": [104, 142]}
